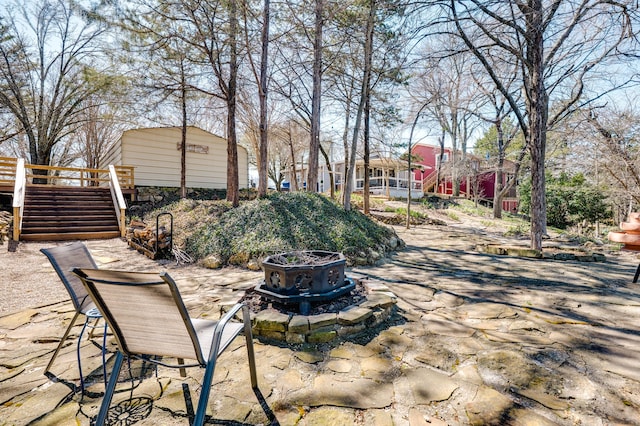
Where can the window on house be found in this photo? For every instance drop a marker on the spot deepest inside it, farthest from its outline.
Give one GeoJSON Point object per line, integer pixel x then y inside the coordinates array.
{"type": "Point", "coordinates": [445, 157]}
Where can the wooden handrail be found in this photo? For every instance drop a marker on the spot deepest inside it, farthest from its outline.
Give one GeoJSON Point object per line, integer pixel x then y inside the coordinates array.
{"type": "Point", "coordinates": [66, 176]}
{"type": "Point", "coordinates": [19, 188]}
{"type": "Point", "coordinates": [118, 199]}
{"type": "Point", "coordinates": [14, 171]}
{"type": "Point", "coordinates": [429, 180]}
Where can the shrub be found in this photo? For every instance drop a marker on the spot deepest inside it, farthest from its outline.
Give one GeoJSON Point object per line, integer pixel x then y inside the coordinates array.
{"type": "Point", "coordinates": [280, 222]}
{"type": "Point", "coordinates": [570, 200]}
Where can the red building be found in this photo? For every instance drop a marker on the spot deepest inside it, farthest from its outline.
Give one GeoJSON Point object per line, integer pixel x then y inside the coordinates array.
{"type": "Point", "coordinates": [477, 176]}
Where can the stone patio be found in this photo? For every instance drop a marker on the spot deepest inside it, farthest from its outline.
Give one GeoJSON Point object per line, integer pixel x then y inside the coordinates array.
{"type": "Point", "coordinates": [477, 339]}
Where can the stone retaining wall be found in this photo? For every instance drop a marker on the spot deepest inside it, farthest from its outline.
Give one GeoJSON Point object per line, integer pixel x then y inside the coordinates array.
{"type": "Point", "coordinates": [581, 256]}
{"type": "Point", "coordinates": [323, 328]}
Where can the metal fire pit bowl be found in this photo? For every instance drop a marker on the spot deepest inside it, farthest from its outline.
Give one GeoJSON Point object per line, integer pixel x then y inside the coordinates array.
{"type": "Point", "coordinates": [303, 277]}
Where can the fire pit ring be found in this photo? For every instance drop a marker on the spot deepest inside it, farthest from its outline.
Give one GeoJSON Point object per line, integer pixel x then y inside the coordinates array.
{"type": "Point", "coordinates": [303, 277]}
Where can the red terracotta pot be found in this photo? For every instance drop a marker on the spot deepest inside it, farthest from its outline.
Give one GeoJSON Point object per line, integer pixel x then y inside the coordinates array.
{"type": "Point", "coordinates": [624, 237]}
{"type": "Point", "coordinates": [631, 227]}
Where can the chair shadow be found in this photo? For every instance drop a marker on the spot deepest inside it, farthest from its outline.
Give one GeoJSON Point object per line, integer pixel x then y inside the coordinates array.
{"type": "Point", "coordinates": [74, 388]}
{"type": "Point", "coordinates": [273, 421]}
{"type": "Point", "coordinates": [135, 409]}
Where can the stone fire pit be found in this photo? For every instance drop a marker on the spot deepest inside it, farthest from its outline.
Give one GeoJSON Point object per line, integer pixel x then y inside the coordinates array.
{"type": "Point", "coordinates": [303, 277]}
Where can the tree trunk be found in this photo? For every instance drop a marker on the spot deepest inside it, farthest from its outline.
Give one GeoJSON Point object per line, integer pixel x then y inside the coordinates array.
{"type": "Point", "coordinates": [439, 166]}
{"type": "Point", "coordinates": [347, 162]}
{"type": "Point", "coordinates": [294, 184]}
{"type": "Point", "coordinates": [367, 178]}
{"type": "Point", "coordinates": [264, 143]}
{"type": "Point", "coordinates": [497, 193]}
{"type": "Point", "coordinates": [368, 52]}
{"type": "Point", "coordinates": [327, 161]}
{"type": "Point", "coordinates": [364, 95]}
{"type": "Point", "coordinates": [183, 147]}
{"type": "Point", "coordinates": [233, 194]}
{"type": "Point", "coordinates": [497, 190]}
{"type": "Point", "coordinates": [537, 109]}
{"type": "Point", "coordinates": [455, 161]}
{"type": "Point", "coordinates": [314, 144]}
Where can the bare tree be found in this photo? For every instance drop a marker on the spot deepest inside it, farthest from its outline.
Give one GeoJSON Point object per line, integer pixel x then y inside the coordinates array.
{"type": "Point", "coordinates": [558, 44]}
{"type": "Point", "coordinates": [284, 147]}
{"type": "Point", "coordinates": [617, 134]}
{"type": "Point", "coordinates": [448, 82]}
{"type": "Point", "coordinates": [261, 77]}
{"type": "Point", "coordinates": [293, 135]}
{"type": "Point", "coordinates": [299, 67]}
{"type": "Point", "coordinates": [210, 32]}
{"type": "Point", "coordinates": [498, 112]}
{"type": "Point", "coordinates": [314, 144]}
{"type": "Point", "coordinates": [98, 132]}
{"type": "Point", "coordinates": [49, 72]}
{"type": "Point", "coordinates": [365, 92]}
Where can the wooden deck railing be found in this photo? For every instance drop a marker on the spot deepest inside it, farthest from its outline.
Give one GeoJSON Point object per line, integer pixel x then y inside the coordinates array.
{"type": "Point", "coordinates": [7, 169]}
{"type": "Point", "coordinates": [15, 172]}
{"type": "Point", "coordinates": [76, 176]}
{"type": "Point", "coordinates": [429, 181]}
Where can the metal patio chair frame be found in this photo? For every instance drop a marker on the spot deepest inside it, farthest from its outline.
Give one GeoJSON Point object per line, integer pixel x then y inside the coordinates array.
{"type": "Point", "coordinates": [64, 258]}
{"type": "Point", "coordinates": [149, 321]}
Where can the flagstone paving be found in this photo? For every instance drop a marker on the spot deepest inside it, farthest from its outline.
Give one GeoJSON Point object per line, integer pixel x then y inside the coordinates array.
{"type": "Point", "coordinates": [476, 339]}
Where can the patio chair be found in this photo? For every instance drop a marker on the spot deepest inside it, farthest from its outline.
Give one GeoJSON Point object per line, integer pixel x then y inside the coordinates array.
{"type": "Point", "coordinates": [63, 259]}
{"type": "Point", "coordinates": [150, 322]}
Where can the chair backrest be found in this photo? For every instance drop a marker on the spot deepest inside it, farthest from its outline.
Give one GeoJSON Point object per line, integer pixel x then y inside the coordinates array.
{"type": "Point", "coordinates": [144, 311]}
{"type": "Point", "coordinates": [64, 259]}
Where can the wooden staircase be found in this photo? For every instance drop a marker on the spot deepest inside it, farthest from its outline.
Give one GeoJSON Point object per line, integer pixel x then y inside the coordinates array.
{"type": "Point", "coordinates": [53, 213]}
{"type": "Point", "coordinates": [429, 182]}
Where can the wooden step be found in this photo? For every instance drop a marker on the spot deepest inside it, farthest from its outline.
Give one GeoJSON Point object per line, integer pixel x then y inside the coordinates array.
{"type": "Point", "coordinates": [64, 213]}
{"type": "Point", "coordinates": [75, 209]}
{"type": "Point", "coordinates": [66, 228]}
{"type": "Point", "coordinates": [66, 222]}
{"type": "Point", "coordinates": [61, 200]}
{"type": "Point", "coordinates": [103, 235]}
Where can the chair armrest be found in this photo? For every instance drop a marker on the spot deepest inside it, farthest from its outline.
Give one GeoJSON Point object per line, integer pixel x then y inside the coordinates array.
{"type": "Point", "coordinates": [232, 312]}
{"type": "Point", "coordinates": [222, 323]}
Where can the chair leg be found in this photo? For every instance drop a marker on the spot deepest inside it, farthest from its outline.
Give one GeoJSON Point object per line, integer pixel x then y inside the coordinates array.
{"type": "Point", "coordinates": [201, 411]}
{"type": "Point", "coordinates": [104, 356]}
{"type": "Point", "coordinates": [93, 327]}
{"type": "Point", "coordinates": [250, 353]}
{"type": "Point", "coordinates": [78, 355]}
{"type": "Point", "coordinates": [62, 340]}
{"type": "Point", "coordinates": [183, 371]}
{"type": "Point", "coordinates": [110, 389]}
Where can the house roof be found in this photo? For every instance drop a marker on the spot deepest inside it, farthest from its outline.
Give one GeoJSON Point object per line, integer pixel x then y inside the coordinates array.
{"type": "Point", "coordinates": [196, 128]}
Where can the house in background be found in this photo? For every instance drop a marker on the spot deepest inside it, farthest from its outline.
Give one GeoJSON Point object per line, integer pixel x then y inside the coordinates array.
{"type": "Point", "coordinates": [390, 176]}
{"type": "Point", "coordinates": [479, 178]}
{"type": "Point", "coordinates": [387, 177]}
{"type": "Point", "coordinates": [155, 155]}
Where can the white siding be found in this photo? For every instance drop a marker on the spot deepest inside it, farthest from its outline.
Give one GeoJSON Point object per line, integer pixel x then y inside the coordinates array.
{"type": "Point", "coordinates": [113, 156]}
{"type": "Point", "coordinates": [155, 155]}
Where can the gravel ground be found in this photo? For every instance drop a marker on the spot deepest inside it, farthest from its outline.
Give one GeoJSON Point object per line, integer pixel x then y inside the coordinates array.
{"type": "Point", "coordinates": [29, 281]}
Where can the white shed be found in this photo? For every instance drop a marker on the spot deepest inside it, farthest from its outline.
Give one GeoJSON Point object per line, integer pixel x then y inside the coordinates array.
{"type": "Point", "coordinates": [155, 155]}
